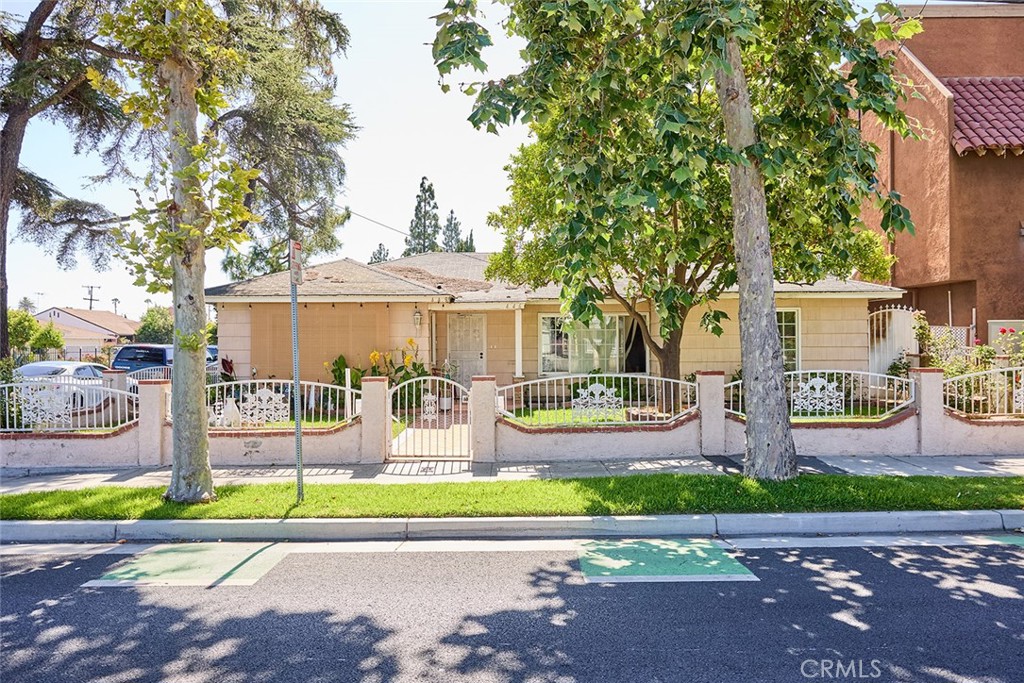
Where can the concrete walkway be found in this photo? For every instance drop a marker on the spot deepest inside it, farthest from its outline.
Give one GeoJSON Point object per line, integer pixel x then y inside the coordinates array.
{"type": "Point", "coordinates": [433, 471]}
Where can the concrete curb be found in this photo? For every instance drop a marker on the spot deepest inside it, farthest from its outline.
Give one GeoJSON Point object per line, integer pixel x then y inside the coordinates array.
{"type": "Point", "coordinates": [730, 525]}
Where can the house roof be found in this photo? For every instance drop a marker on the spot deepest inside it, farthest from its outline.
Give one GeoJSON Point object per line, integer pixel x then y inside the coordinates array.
{"type": "Point", "coordinates": [456, 277]}
{"type": "Point", "coordinates": [344, 278]}
{"type": "Point", "coordinates": [115, 323]}
{"type": "Point", "coordinates": [988, 115]}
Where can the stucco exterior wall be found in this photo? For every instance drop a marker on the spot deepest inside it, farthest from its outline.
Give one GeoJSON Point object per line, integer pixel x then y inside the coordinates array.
{"type": "Point", "coordinates": [337, 447]}
{"type": "Point", "coordinates": [970, 45]}
{"type": "Point", "coordinates": [325, 331]}
{"type": "Point", "coordinates": [899, 437]}
{"type": "Point", "coordinates": [120, 449]}
{"type": "Point", "coordinates": [234, 337]}
{"type": "Point", "coordinates": [514, 445]}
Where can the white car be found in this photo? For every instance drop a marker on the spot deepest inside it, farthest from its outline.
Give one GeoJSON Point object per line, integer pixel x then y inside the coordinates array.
{"type": "Point", "coordinates": [83, 380]}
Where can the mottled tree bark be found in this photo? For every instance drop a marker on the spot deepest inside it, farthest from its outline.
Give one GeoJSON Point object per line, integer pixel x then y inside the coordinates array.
{"type": "Point", "coordinates": [191, 477]}
{"type": "Point", "coordinates": [770, 453]}
{"type": "Point", "coordinates": [18, 111]}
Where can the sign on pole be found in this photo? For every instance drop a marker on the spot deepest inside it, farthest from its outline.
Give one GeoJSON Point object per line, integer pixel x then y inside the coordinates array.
{"type": "Point", "coordinates": [295, 266]}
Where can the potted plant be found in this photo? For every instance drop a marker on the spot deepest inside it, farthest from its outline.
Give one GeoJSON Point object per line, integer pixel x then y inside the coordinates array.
{"type": "Point", "coordinates": [449, 369]}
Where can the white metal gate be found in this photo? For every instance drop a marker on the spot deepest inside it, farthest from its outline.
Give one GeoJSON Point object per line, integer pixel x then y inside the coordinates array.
{"type": "Point", "coordinates": [890, 334]}
{"type": "Point", "coordinates": [430, 419]}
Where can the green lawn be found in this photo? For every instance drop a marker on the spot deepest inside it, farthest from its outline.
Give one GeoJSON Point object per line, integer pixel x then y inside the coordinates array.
{"type": "Point", "coordinates": [632, 495]}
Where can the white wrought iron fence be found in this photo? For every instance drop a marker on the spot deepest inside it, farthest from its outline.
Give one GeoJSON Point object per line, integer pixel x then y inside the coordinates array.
{"type": "Point", "coordinates": [154, 372]}
{"type": "Point", "coordinates": [834, 394]}
{"type": "Point", "coordinates": [430, 418]}
{"type": "Point", "coordinates": [992, 393]}
{"type": "Point", "coordinates": [64, 407]}
{"type": "Point", "coordinates": [265, 403]}
{"type": "Point", "coordinates": [596, 400]}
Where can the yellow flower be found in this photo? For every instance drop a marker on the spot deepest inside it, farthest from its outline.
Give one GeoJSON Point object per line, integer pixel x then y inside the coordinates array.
{"type": "Point", "coordinates": [374, 357]}
{"type": "Point", "coordinates": [411, 342]}
{"type": "Point", "coordinates": [326, 365]}
{"type": "Point", "coordinates": [408, 361]}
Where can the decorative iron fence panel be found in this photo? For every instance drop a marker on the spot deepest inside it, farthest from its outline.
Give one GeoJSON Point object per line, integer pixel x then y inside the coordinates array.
{"type": "Point", "coordinates": [992, 393]}
{"type": "Point", "coordinates": [430, 418]}
{"type": "Point", "coordinates": [267, 404]}
{"type": "Point", "coordinates": [835, 394]}
{"type": "Point", "coordinates": [890, 337]}
{"type": "Point", "coordinates": [597, 400]}
{"type": "Point", "coordinates": [64, 407]}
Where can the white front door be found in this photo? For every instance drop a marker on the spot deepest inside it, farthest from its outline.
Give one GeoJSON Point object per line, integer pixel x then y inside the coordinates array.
{"type": "Point", "coordinates": [467, 345]}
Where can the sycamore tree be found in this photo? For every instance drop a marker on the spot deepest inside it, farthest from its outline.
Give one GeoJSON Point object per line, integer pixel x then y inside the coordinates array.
{"type": "Point", "coordinates": [720, 112]}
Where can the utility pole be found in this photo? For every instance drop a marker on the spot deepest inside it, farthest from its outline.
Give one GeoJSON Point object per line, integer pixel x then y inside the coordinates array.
{"type": "Point", "coordinates": [115, 301]}
{"type": "Point", "coordinates": [39, 299]}
{"type": "Point", "coordinates": [90, 298]}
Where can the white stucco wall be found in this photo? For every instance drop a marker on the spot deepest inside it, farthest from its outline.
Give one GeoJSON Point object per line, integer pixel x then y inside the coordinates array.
{"type": "Point", "coordinates": [514, 445]}
{"type": "Point", "coordinates": [78, 451]}
{"type": "Point", "coordinates": [338, 447]}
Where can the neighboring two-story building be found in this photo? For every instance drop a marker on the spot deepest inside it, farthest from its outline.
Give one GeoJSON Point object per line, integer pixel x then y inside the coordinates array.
{"type": "Point", "coordinates": [85, 331]}
{"type": "Point", "coordinates": [964, 182]}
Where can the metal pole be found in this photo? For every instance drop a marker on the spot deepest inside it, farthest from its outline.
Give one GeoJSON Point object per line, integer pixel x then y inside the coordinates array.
{"type": "Point", "coordinates": [296, 390]}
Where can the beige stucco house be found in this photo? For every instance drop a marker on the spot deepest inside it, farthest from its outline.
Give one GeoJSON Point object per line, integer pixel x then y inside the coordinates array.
{"type": "Point", "coordinates": [444, 303]}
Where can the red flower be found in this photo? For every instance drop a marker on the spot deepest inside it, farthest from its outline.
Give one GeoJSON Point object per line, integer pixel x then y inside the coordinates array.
{"type": "Point", "coordinates": [977, 341]}
{"type": "Point", "coordinates": [1002, 330]}
{"type": "Point", "coordinates": [1013, 331]}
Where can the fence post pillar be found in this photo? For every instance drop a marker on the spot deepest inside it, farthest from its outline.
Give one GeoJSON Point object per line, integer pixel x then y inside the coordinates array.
{"type": "Point", "coordinates": [931, 439]}
{"type": "Point", "coordinates": [711, 399]}
{"type": "Point", "coordinates": [115, 379]}
{"type": "Point", "coordinates": [376, 419]}
{"type": "Point", "coordinates": [152, 415]}
{"type": "Point", "coordinates": [483, 397]}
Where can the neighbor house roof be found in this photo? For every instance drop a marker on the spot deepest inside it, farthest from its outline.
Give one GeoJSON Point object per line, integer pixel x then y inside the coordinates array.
{"type": "Point", "coordinates": [457, 277]}
{"type": "Point", "coordinates": [344, 278]}
{"type": "Point", "coordinates": [108, 320]}
{"type": "Point", "coordinates": [988, 115]}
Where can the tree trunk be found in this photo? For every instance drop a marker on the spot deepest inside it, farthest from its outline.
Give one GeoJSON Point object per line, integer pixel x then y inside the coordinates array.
{"type": "Point", "coordinates": [18, 113]}
{"type": "Point", "coordinates": [770, 453]}
{"type": "Point", "coordinates": [191, 477]}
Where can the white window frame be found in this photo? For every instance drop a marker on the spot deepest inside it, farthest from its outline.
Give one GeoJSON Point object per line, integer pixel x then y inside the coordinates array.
{"type": "Point", "coordinates": [558, 316]}
{"type": "Point", "coordinates": [799, 335]}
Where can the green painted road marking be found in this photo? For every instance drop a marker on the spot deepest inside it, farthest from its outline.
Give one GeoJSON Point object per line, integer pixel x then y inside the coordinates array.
{"type": "Point", "coordinates": [656, 560]}
{"type": "Point", "coordinates": [1011, 539]}
{"type": "Point", "coordinates": [196, 564]}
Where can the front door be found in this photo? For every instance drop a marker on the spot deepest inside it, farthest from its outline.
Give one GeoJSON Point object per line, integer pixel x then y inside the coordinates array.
{"type": "Point", "coordinates": [467, 346]}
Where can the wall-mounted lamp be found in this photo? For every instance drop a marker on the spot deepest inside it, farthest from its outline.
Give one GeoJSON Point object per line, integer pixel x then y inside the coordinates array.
{"type": "Point", "coordinates": [417, 318]}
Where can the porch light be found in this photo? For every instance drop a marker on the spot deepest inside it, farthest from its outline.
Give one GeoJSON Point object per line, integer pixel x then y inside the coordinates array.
{"type": "Point", "coordinates": [417, 318]}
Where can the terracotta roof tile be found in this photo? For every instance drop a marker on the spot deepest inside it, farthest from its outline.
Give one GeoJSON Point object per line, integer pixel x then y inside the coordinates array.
{"type": "Point", "coordinates": [988, 114]}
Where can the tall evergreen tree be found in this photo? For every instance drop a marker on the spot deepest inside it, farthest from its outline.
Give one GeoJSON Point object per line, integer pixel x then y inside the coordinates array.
{"type": "Point", "coordinates": [451, 235]}
{"type": "Point", "coordinates": [425, 224]}
{"type": "Point", "coordinates": [380, 254]}
{"type": "Point", "coordinates": [467, 244]}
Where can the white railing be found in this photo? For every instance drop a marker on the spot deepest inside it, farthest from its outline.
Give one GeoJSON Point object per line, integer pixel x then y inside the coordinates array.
{"type": "Point", "coordinates": [835, 395]}
{"type": "Point", "coordinates": [267, 403]}
{"type": "Point", "coordinates": [154, 372]}
{"type": "Point", "coordinates": [596, 400]}
{"type": "Point", "coordinates": [991, 393]}
{"type": "Point", "coordinates": [64, 407]}
{"type": "Point", "coordinates": [430, 418]}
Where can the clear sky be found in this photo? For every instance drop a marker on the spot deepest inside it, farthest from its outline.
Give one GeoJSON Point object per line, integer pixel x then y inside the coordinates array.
{"type": "Point", "coordinates": [408, 129]}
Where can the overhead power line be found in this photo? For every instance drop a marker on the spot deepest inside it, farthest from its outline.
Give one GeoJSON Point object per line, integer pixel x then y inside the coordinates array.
{"type": "Point", "coordinates": [376, 222]}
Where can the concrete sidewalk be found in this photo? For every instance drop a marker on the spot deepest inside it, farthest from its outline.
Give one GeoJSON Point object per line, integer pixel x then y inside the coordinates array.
{"type": "Point", "coordinates": [433, 471]}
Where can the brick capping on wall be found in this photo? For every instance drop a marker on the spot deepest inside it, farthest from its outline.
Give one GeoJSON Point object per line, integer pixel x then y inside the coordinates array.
{"type": "Point", "coordinates": [277, 431]}
{"type": "Point", "coordinates": [710, 373]}
{"type": "Point", "coordinates": [901, 416]}
{"type": "Point", "coordinates": [986, 421]}
{"type": "Point", "coordinates": [610, 429]}
{"type": "Point", "coordinates": [21, 436]}
{"type": "Point", "coordinates": [151, 382]}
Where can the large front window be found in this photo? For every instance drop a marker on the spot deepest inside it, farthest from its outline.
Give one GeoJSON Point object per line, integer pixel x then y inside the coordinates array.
{"type": "Point", "coordinates": [789, 334]}
{"type": "Point", "coordinates": [611, 344]}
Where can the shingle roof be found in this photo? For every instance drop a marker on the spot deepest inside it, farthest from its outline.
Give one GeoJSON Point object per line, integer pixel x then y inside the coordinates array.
{"type": "Point", "coordinates": [108, 320]}
{"type": "Point", "coordinates": [988, 114]}
{"type": "Point", "coordinates": [338, 278]}
{"type": "Point", "coordinates": [457, 275]}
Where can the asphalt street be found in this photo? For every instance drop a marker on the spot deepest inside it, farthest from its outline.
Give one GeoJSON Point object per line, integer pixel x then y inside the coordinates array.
{"type": "Point", "coordinates": [516, 612]}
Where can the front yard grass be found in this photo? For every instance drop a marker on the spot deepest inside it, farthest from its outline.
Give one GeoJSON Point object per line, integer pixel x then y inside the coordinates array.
{"type": "Point", "coordinates": [630, 495]}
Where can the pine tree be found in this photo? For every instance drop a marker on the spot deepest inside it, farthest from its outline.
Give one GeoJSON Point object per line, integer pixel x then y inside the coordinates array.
{"type": "Point", "coordinates": [380, 254]}
{"type": "Point", "coordinates": [425, 224]}
{"type": "Point", "coordinates": [451, 236]}
{"type": "Point", "coordinates": [467, 244]}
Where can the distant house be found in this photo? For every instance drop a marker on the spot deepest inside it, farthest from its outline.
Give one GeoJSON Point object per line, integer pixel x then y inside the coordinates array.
{"type": "Point", "coordinates": [445, 304]}
{"type": "Point", "coordinates": [964, 183]}
{"type": "Point", "coordinates": [88, 331]}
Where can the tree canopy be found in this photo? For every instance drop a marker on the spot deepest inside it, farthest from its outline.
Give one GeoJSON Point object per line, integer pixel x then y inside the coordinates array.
{"type": "Point", "coordinates": [380, 254]}
{"type": "Point", "coordinates": [47, 337]}
{"type": "Point", "coordinates": [425, 224]}
{"type": "Point", "coordinates": [156, 326]}
{"type": "Point", "coordinates": [21, 327]}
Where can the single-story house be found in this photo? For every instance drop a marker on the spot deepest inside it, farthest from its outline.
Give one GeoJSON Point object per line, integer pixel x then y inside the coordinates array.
{"type": "Point", "coordinates": [444, 303]}
{"type": "Point", "coordinates": [88, 331]}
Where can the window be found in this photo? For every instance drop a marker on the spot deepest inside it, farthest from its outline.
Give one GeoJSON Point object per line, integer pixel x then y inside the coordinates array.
{"type": "Point", "coordinates": [613, 344]}
{"type": "Point", "coordinates": [789, 333]}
